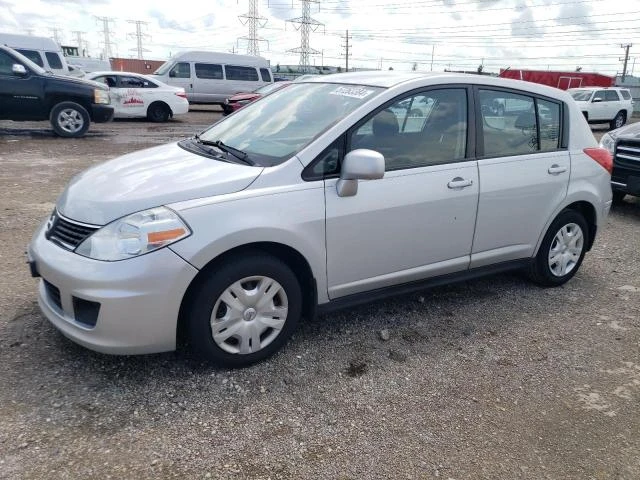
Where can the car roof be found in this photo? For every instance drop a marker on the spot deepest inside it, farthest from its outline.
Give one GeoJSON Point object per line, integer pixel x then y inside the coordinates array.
{"type": "Point", "coordinates": [389, 79]}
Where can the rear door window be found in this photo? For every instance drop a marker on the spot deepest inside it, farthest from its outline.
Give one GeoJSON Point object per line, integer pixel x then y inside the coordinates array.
{"type": "Point", "coordinates": [549, 121]}
{"type": "Point", "coordinates": [611, 96]}
{"type": "Point", "coordinates": [131, 82]}
{"type": "Point", "coordinates": [266, 74]}
{"type": "Point", "coordinates": [181, 70]}
{"type": "Point", "coordinates": [54, 60]}
{"type": "Point", "coordinates": [247, 74]}
{"type": "Point", "coordinates": [512, 130]}
{"type": "Point", "coordinates": [209, 71]}
{"type": "Point", "coordinates": [625, 94]}
{"type": "Point", "coordinates": [32, 55]}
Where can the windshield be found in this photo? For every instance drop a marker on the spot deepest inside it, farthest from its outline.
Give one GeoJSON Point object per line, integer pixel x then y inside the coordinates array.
{"type": "Point", "coordinates": [280, 125]}
{"type": "Point", "coordinates": [268, 88]}
{"type": "Point", "coordinates": [164, 68]}
{"type": "Point", "coordinates": [581, 95]}
{"type": "Point", "coordinates": [28, 63]}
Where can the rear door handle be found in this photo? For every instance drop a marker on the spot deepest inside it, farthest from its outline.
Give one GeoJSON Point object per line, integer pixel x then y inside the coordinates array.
{"type": "Point", "coordinates": [459, 182]}
{"type": "Point", "coordinates": [556, 169]}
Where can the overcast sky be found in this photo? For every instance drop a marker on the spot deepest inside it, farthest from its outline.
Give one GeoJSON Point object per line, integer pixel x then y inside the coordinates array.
{"type": "Point", "coordinates": [461, 34]}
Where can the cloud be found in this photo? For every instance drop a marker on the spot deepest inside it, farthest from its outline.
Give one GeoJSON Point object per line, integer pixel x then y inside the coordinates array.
{"type": "Point", "coordinates": [568, 12]}
{"type": "Point", "coordinates": [524, 25]}
{"type": "Point", "coordinates": [164, 22]}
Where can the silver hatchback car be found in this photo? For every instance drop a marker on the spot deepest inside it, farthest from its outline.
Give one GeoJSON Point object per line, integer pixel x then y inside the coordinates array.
{"type": "Point", "coordinates": [333, 191]}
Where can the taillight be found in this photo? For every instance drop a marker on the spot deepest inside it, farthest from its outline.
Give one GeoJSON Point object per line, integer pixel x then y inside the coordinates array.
{"type": "Point", "coordinates": [182, 95]}
{"type": "Point", "coordinates": [602, 156]}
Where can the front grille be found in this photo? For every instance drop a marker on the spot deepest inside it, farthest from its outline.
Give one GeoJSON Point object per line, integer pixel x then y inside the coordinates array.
{"type": "Point", "coordinates": [627, 155]}
{"type": "Point", "coordinates": [53, 293]}
{"type": "Point", "coordinates": [67, 233]}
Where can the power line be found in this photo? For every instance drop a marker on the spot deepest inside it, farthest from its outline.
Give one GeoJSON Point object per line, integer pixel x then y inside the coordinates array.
{"type": "Point", "coordinates": [139, 35]}
{"type": "Point", "coordinates": [106, 32]}
{"type": "Point", "coordinates": [253, 21]}
{"type": "Point", "coordinates": [305, 24]}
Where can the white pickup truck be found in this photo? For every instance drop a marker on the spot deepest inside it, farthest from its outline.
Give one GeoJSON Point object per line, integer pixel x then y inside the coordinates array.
{"type": "Point", "coordinates": [604, 105]}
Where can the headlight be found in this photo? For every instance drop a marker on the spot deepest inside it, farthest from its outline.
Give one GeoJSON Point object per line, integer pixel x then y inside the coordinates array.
{"type": "Point", "coordinates": [101, 96]}
{"type": "Point", "coordinates": [134, 235]}
{"type": "Point", "coordinates": [608, 142]}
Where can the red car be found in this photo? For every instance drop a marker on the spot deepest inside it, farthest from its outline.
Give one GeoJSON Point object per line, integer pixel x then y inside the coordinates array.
{"type": "Point", "coordinates": [239, 100]}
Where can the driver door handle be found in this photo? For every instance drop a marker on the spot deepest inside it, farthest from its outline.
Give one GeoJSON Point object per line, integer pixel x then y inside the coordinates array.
{"type": "Point", "coordinates": [459, 182]}
{"type": "Point", "coordinates": [556, 169]}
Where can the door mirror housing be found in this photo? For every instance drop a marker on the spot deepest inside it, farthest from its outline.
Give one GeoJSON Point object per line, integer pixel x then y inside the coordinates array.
{"type": "Point", "coordinates": [357, 165]}
{"type": "Point", "coordinates": [596, 100]}
{"type": "Point", "coordinates": [19, 69]}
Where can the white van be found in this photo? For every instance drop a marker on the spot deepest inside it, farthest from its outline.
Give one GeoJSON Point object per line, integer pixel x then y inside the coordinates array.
{"type": "Point", "coordinates": [212, 77]}
{"type": "Point", "coordinates": [43, 51]}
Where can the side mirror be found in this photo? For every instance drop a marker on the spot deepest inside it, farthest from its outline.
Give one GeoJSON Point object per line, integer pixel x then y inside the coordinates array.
{"type": "Point", "coordinates": [596, 100]}
{"type": "Point", "coordinates": [357, 165]}
{"type": "Point", "coordinates": [19, 69]}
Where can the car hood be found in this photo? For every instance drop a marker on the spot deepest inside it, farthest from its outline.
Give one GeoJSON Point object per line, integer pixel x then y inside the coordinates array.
{"type": "Point", "coordinates": [149, 178]}
{"type": "Point", "coordinates": [81, 81]}
{"type": "Point", "coordinates": [243, 96]}
{"type": "Point", "coordinates": [631, 131]}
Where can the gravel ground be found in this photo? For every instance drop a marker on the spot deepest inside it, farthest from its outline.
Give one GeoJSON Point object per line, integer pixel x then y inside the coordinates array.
{"type": "Point", "coordinates": [490, 379]}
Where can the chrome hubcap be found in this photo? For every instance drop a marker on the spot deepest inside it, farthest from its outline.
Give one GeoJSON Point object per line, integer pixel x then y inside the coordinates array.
{"type": "Point", "coordinates": [249, 315]}
{"type": "Point", "coordinates": [566, 249]}
{"type": "Point", "coordinates": [70, 120]}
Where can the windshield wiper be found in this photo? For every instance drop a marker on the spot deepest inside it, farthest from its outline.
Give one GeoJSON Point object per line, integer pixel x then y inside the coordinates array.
{"type": "Point", "coordinates": [239, 154]}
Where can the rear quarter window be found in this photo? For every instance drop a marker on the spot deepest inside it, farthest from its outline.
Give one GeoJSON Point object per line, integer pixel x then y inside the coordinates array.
{"type": "Point", "coordinates": [247, 74]}
{"type": "Point", "coordinates": [32, 55]}
{"type": "Point", "coordinates": [54, 60]}
{"type": "Point", "coordinates": [265, 74]}
{"type": "Point", "coordinates": [625, 94]}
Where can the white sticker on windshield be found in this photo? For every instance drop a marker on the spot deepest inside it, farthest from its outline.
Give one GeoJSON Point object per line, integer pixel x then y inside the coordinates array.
{"type": "Point", "coordinates": [354, 92]}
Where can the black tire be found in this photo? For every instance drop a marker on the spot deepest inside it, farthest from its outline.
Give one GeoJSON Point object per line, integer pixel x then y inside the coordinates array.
{"type": "Point", "coordinates": [618, 196]}
{"type": "Point", "coordinates": [618, 121]}
{"type": "Point", "coordinates": [199, 314]}
{"type": "Point", "coordinates": [69, 120]}
{"type": "Point", "coordinates": [540, 271]}
{"type": "Point", "coordinates": [158, 112]}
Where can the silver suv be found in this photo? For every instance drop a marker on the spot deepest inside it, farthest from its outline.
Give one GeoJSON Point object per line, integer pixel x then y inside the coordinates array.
{"type": "Point", "coordinates": [332, 191]}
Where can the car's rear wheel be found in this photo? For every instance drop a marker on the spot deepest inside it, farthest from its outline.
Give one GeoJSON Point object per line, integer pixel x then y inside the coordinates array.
{"type": "Point", "coordinates": [69, 119]}
{"type": "Point", "coordinates": [158, 112]}
{"type": "Point", "coordinates": [618, 121]}
{"type": "Point", "coordinates": [562, 250]}
{"type": "Point", "coordinates": [245, 310]}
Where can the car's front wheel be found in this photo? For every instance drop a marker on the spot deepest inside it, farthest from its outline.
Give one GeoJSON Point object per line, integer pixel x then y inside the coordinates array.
{"type": "Point", "coordinates": [562, 250]}
{"type": "Point", "coordinates": [69, 119]}
{"type": "Point", "coordinates": [245, 310]}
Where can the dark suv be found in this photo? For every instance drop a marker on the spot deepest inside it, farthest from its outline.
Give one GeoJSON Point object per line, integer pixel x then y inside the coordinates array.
{"type": "Point", "coordinates": [28, 92]}
{"type": "Point", "coordinates": [624, 145]}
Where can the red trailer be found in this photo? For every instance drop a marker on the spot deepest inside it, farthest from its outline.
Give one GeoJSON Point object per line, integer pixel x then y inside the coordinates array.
{"type": "Point", "coordinates": [561, 80]}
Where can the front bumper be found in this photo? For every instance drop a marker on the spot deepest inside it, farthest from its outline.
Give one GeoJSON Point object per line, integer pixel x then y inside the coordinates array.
{"type": "Point", "coordinates": [139, 298]}
{"type": "Point", "coordinates": [102, 113]}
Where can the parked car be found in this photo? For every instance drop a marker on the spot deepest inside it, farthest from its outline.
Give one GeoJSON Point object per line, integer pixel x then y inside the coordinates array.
{"type": "Point", "coordinates": [136, 95]}
{"type": "Point", "coordinates": [212, 77]}
{"type": "Point", "coordinates": [42, 51]}
{"type": "Point", "coordinates": [239, 100]}
{"type": "Point", "coordinates": [319, 196]}
{"type": "Point", "coordinates": [604, 105]}
{"type": "Point", "coordinates": [624, 144]}
{"type": "Point", "coordinates": [28, 92]}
